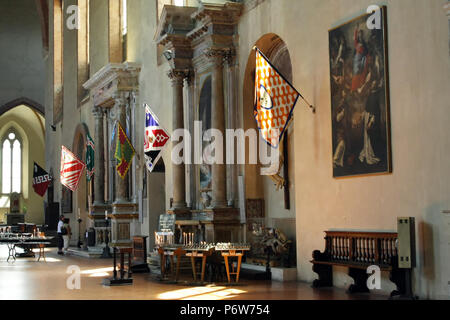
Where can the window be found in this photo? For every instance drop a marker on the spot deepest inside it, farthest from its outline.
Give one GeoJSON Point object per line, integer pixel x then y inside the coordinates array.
{"type": "Point", "coordinates": [11, 165]}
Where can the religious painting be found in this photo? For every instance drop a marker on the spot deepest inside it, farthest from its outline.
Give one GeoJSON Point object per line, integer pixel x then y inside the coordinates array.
{"type": "Point", "coordinates": [360, 96]}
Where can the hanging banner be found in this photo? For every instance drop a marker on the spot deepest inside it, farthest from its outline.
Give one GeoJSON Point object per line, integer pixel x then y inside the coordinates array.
{"type": "Point", "coordinates": [275, 99]}
{"type": "Point", "coordinates": [71, 169]}
{"type": "Point", "coordinates": [41, 180]}
{"type": "Point", "coordinates": [124, 152]}
{"type": "Point", "coordinates": [155, 139]}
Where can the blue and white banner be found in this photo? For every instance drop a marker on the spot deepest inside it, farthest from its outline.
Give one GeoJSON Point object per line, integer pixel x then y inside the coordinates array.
{"type": "Point", "coordinates": [155, 139]}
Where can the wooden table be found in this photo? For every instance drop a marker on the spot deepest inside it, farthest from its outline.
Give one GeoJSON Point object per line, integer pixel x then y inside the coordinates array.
{"type": "Point", "coordinates": [233, 253]}
{"type": "Point", "coordinates": [164, 253]}
{"type": "Point", "coordinates": [202, 254]}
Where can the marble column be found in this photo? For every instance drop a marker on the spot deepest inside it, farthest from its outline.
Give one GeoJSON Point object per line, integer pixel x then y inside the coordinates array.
{"type": "Point", "coordinates": [219, 175]}
{"type": "Point", "coordinates": [178, 170]}
{"type": "Point", "coordinates": [232, 93]}
{"type": "Point", "coordinates": [121, 184]}
{"type": "Point", "coordinates": [99, 175]}
{"type": "Point", "coordinates": [189, 125]}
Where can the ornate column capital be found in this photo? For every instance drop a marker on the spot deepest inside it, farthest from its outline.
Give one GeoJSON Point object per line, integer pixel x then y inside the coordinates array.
{"type": "Point", "coordinates": [216, 56]}
{"type": "Point", "coordinates": [97, 112]}
{"type": "Point", "coordinates": [190, 78]}
{"type": "Point", "coordinates": [230, 56]}
{"type": "Point", "coordinates": [177, 76]}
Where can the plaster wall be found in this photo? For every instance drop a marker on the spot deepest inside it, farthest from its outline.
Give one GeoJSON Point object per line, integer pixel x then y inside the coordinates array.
{"type": "Point", "coordinates": [419, 79]}
{"type": "Point", "coordinates": [21, 63]}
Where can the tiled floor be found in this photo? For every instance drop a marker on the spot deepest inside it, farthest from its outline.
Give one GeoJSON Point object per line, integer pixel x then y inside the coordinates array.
{"type": "Point", "coordinates": [28, 279]}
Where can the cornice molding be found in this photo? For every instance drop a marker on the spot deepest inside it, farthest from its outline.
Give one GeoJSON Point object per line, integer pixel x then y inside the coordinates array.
{"type": "Point", "coordinates": [174, 20]}
{"type": "Point", "coordinates": [111, 80]}
{"type": "Point", "coordinates": [111, 72]}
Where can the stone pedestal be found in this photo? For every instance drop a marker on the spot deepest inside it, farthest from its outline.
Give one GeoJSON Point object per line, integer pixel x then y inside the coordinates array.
{"type": "Point", "coordinates": [123, 217]}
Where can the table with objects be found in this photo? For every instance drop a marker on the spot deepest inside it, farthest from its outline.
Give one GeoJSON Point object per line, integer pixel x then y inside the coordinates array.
{"type": "Point", "coordinates": [26, 241]}
{"type": "Point", "coordinates": [201, 252]}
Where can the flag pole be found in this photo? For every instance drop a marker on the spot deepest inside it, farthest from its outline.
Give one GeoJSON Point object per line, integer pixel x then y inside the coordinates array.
{"type": "Point", "coordinates": [309, 104]}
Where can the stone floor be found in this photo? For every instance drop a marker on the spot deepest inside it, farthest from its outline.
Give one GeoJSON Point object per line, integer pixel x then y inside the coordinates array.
{"type": "Point", "coordinates": [27, 279]}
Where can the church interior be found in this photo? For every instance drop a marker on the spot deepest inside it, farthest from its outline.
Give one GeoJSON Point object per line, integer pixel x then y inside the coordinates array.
{"type": "Point", "coordinates": [220, 150]}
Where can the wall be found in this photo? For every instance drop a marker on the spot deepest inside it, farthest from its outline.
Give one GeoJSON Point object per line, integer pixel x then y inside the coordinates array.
{"type": "Point", "coordinates": [419, 79]}
{"type": "Point", "coordinates": [21, 63]}
{"type": "Point", "coordinates": [28, 126]}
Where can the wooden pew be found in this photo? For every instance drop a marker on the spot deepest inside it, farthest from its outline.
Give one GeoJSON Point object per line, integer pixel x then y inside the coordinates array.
{"type": "Point", "coordinates": [358, 251]}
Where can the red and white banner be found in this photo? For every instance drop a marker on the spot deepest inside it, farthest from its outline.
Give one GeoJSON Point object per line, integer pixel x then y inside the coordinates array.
{"type": "Point", "coordinates": [71, 169]}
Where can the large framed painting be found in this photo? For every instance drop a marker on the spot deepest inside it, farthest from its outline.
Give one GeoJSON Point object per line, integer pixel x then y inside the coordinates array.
{"type": "Point", "coordinates": [360, 96]}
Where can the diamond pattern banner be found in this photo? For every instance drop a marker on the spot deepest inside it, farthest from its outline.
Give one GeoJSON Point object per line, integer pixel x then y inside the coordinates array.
{"type": "Point", "coordinates": [71, 169]}
{"type": "Point", "coordinates": [155, 139]}
{"type": "Point", "coordinates": [275, 99]}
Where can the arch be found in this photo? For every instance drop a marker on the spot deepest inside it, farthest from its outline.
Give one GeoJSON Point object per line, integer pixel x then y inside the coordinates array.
{"type": "Point", "coordinates": [80, 197]}
{"type": "Point", "coordinates": [204, 115]}
{"type": "Point", "coordinates": [155, 198]}
{"type": "Point", "coordinates": [22, 101]}
{"type": "Point", "coordinates": [276, 50]}
{"type": "Point", "coordinates": [81, 131]}
{"type": "Point", "coordinates": [262, 188]}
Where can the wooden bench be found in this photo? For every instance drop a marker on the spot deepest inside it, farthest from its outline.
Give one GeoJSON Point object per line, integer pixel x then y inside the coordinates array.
{"type": "Point", "coordinates": [358, 251]}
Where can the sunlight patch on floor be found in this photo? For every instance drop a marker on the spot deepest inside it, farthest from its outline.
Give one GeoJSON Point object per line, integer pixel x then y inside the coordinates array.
{"type": "Point", "coordinates": [201, 293]}
{"type": "Point", "coordinates": [98, 271]}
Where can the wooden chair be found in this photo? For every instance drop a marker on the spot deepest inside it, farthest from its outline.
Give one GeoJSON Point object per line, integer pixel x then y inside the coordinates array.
{"type": "Point", "coordinates": [41, 247]}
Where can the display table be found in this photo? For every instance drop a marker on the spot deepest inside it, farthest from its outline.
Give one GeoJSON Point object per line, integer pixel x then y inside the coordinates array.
{"type": "Point", "coordinates": [202, 252]}
{"type": "Point", "coordinates": [164, 254]}
{"type": "Point", "coordinates": [199, 254]}
{"type": "Point", "coordinates": [229, 254]}
{"type": "Point", "coordinates": [27, 241]}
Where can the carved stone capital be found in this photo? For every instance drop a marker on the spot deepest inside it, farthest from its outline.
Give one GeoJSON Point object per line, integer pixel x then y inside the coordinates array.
{"type": "Point", "coordinates": [216, 56]}
{"type": "Point", "coordinates": [98, 113]}
{"type": "Point", "coordinates": [120, 99]}
{"type": "Point", "coordinates": [230, 56]}
{"type": "Point", "coordinates": [177, 76]}
{"type": "Point", "coordinates": [190, 78]}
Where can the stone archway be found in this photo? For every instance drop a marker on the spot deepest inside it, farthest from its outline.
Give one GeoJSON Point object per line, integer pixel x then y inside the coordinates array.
{"type": "Point", "coordinates": [22, 101]}
{"type": "Point", "coordinates": [156, 198]}
{"type": "Point", "coordinates": [260, 190]}
{"type": "Point", "coordinates": [80, 197]}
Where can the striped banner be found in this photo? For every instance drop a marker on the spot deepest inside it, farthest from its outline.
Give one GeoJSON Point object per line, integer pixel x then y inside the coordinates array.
{"type": "Point", "coordinates": [71, 169]}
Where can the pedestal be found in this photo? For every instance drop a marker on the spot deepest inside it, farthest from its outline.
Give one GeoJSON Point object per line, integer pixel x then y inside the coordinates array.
{"type": "Point", "coordinates": [122, 218]}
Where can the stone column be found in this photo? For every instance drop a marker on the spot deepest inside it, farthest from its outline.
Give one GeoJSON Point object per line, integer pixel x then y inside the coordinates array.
{"type": "Point", "coordinates": [232, 115]}
{"type": "Point", "coordinates": [178, 170]}
{"type": "Point", "coordinates": [219, 175]}
{"type": "Point", "coordinates": [189, 125]}
{"type": "Point", "coordinates": [99, 175]}
{"type": "Point", "coordinates": [121, 184]}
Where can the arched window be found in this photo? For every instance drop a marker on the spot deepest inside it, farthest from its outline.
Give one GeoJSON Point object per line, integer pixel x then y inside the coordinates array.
{"type": "Point", "coordinates": [11, 166]}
